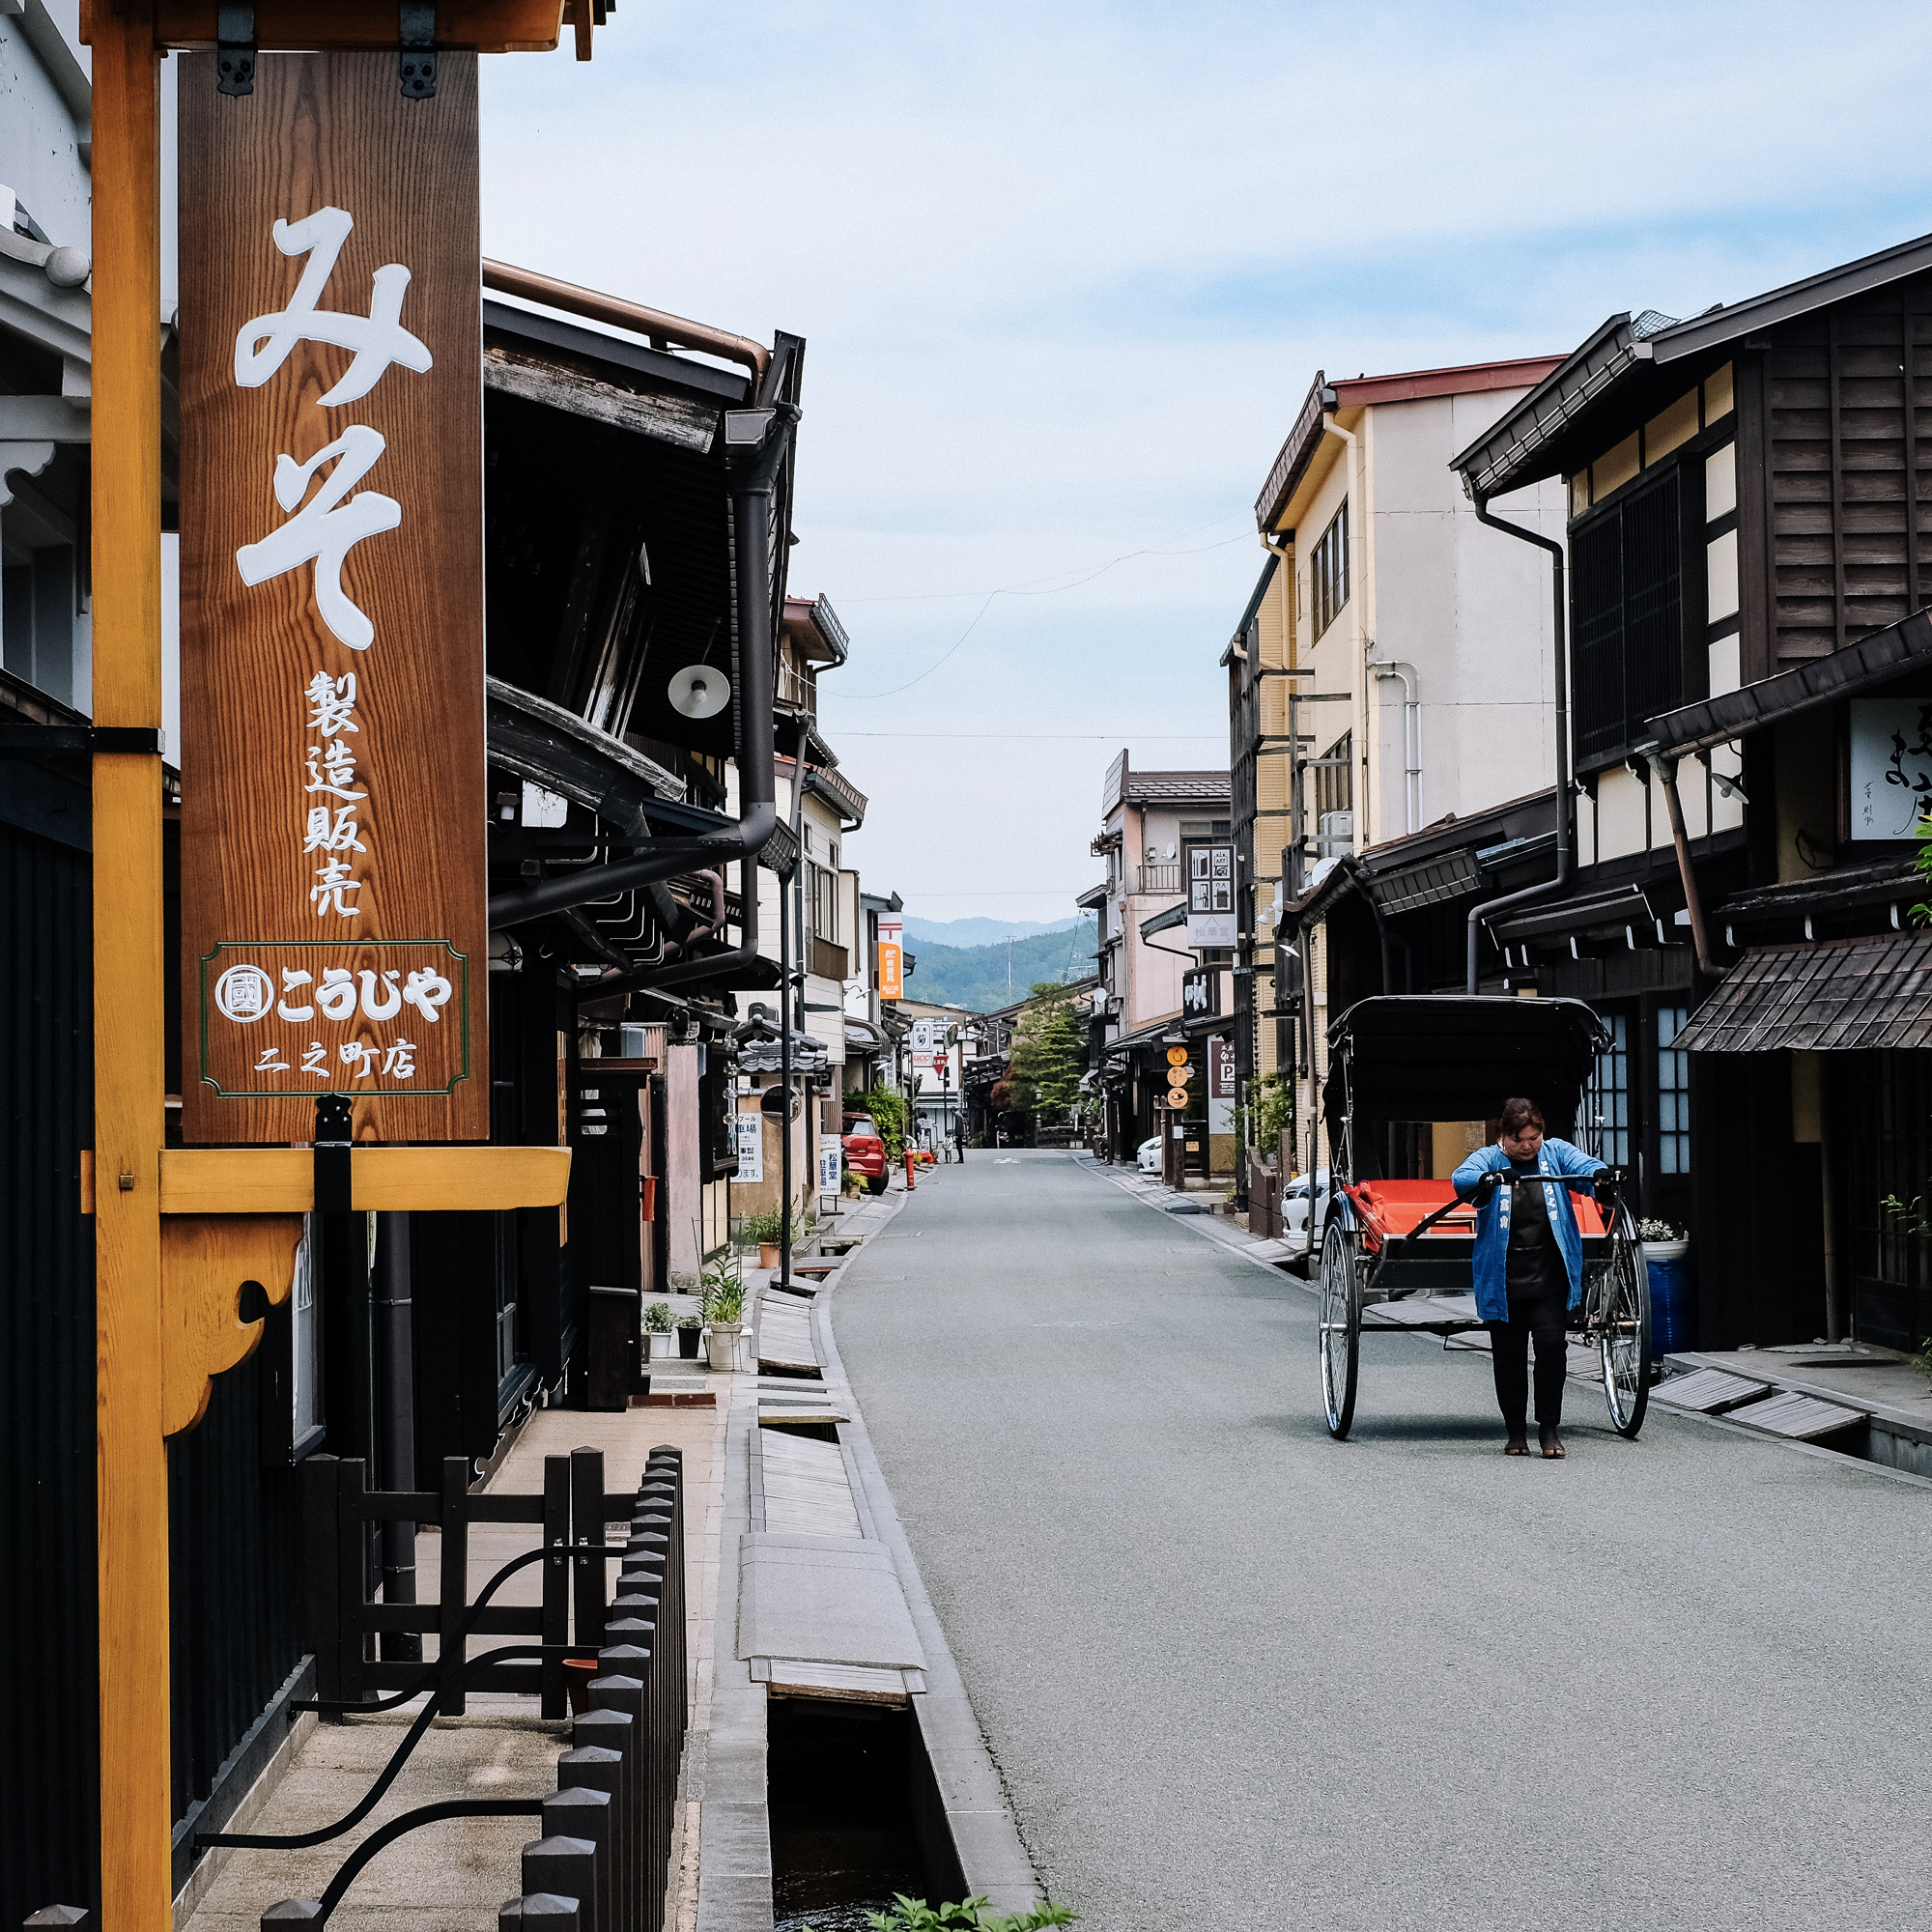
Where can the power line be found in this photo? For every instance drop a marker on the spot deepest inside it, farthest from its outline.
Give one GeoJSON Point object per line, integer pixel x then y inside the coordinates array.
{"type": "Point", "coordinates": [1028, 590]}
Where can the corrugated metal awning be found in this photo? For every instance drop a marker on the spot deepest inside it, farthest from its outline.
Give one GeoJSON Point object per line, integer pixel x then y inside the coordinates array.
{"type": "Point", "coordinates": [1836, 997]}
{"type": "Point", "coordinates": [1452, 876]}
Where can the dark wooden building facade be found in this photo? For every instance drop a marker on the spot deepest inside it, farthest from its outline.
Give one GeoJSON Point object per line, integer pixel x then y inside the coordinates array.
{"type": "Point", "coordinates": [1749, 531]}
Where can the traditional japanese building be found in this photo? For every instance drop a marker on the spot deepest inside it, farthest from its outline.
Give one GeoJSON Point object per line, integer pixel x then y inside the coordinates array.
{"type": "Point", "coordinates": [1389, 687]}
{"type": "Point", "coordinates": [1748, 547]}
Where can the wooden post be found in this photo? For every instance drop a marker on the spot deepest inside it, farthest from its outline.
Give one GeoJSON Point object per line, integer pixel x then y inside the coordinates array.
{"type": "Point", "coordinates": [130, 1019]}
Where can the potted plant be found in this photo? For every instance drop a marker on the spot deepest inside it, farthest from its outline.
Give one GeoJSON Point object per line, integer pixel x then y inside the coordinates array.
{"type": "Point", "coordinates": [763, 1230]}
{"type": "Point", "coordinates": [656, 1325]}
{"type": "Point", "coordinates": [690, 1332]}
{"type": "Point", "coordinates": [724, 1316]}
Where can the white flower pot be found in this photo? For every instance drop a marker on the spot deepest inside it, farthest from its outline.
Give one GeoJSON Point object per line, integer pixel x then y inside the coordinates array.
{"type": "Point", "coordinates": [662, 1344]}
{"type": "Point", "coordinates": [721, 1343]}
{"type": "Point", "coordinates": [1665, 1251]}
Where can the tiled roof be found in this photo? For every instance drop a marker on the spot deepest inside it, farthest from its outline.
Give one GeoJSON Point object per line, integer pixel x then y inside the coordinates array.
{"type": "Point", "coordinates": [1177, 788]}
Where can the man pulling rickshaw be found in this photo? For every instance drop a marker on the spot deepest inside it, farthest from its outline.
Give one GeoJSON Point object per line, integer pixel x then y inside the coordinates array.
{"type": "Point", "coordinates": [1532, 1260]}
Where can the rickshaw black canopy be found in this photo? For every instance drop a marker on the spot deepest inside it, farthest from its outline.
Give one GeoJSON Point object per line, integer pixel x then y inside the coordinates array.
{"type": "Point", "coordinates": [1459, 1057]}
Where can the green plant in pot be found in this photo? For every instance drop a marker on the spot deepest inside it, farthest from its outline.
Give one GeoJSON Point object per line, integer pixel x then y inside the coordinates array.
{"type": "Point", "coordinates": [690, 1332]}
{"type": "Point", "coordinates": [656, 1325]}
{"type": "Point", "coordinates": [763, 1230]}
{"type": "Point", "coordinates": [724, 1314]}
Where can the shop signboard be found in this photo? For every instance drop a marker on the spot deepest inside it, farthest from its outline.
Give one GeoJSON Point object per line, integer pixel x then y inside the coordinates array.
{"type": "Point", "coordinates": [1210, 896]}
{"type": "Point", "coordinates": [1221, 1085]}
{"type": "Point", "coordinates": [333, 883]}
{"type": "Point", "coordinates": [750, 1149]}
{"type": "Point", "coordinates": [1891, 766]}
{"type": "Point", "coordinates": [892, 959]}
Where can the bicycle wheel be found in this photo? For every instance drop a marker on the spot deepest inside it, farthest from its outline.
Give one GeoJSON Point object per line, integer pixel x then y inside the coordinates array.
{"type": "Point", "coordinates": [1623, 1340]}
{"type": "Point", "coordinates": [1340, 1329]}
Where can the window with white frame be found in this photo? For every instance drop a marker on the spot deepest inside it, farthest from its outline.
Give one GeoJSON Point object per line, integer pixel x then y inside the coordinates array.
{"type": "Point", "coordinates": [1673, 1094]}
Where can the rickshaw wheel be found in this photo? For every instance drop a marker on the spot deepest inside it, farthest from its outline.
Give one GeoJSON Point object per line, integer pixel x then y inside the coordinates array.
{"type": "Point", "coordinates": [1623, 1342]}
{"type": "Point", "coordinates": [1340, 1329]}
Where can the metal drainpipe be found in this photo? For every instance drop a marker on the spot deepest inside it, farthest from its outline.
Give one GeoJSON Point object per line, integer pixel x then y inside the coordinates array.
{"type": "Point", "coordinates": [1562, 685]}
{"type": "Point", "coordinates": [1666, 770]}
{"type": "Point", "coordinates": [1351, 509]}
{"type": "Point", "coordinates": [786, 930]}
{"type": "Point", "coordinates": [1385, 668]}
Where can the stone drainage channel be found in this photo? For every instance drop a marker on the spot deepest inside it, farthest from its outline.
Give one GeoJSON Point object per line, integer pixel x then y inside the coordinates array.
{"type": "Point", "coordinates": [843, 1763]}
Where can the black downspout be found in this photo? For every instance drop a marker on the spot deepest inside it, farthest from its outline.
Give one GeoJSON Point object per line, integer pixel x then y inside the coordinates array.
{"type": "Point", "coordinates": [1489, 908]}
{"type": "Point", "coordinates": [396, 1418]}
{"type": "Point", "coordinates": [788, 927]}
{"type": "Point", "coordinates": [754, 475]}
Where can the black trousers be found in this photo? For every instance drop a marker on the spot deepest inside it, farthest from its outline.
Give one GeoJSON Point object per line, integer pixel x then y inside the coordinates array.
{"type": "Point", "coordinates": [1509, 1342]}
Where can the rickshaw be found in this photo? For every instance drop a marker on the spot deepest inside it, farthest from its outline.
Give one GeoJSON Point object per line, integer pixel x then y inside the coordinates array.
{"type": "Point", "coordinates": [1398, 1254]}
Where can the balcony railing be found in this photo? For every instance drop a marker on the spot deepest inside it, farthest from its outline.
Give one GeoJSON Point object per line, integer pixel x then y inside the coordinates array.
{"type": "Point", "coordinates": [827, 960]}
{"type": "Point", "coordinates": [1159, 879]}
{"type": "Point", "coordinates": [797, 688]}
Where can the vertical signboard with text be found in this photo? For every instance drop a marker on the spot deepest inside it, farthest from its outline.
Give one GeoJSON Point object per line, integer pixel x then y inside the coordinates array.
{"type": "Point", "coordinates": [892, 959]}
{"type": "Point", "coordinates": [333, 886]}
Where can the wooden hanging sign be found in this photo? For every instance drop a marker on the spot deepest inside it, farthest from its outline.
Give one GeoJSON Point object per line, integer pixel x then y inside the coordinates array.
{"type": "Point", "coordinates": [334, 930]}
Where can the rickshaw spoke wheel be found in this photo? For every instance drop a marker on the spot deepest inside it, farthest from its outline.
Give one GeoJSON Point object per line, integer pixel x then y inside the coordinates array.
{"type": "Point", "coordinates": [1340, 1329]}
{"type": "Point", "coordinates": [1623, 1341]}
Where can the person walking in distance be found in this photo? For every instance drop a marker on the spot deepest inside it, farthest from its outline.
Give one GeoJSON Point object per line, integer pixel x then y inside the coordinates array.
{"type": "Point", "coordinates": [1528, 1264]}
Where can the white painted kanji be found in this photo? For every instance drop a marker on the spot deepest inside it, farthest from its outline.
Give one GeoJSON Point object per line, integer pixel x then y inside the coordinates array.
{"type": "Point", "coordinates": [331, 704]}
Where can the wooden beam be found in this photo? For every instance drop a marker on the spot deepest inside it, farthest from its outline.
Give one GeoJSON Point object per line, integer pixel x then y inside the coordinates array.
{"type": "Point", "coordinates": [366, 26]}
{"type": "Point", "coordinates": [445, 1179]}
{"type": "Point", "coordinates": [129, 1015]}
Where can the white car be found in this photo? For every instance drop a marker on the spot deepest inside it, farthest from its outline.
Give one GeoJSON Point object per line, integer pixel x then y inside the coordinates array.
{"type": "Point", "coordinates": [1149, 1155]}
{"type": "Point", "coordinates": [1294, 1204]}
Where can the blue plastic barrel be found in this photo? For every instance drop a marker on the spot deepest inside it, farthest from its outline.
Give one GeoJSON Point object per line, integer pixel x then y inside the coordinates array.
{"type": "Point", "coordinates": [1673, 1314]}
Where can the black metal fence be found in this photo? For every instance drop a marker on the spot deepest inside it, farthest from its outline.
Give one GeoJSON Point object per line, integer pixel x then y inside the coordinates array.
{"type": "Point", "coordinates": [603, 1859]}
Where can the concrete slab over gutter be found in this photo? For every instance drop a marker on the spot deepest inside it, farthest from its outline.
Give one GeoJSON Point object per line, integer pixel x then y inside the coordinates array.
{"type": "Point", "coordinates": [831, 1604]}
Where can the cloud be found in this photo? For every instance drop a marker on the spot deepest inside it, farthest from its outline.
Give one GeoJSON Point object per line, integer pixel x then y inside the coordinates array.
{"type": "Point", "coordinates": [1066, 273]}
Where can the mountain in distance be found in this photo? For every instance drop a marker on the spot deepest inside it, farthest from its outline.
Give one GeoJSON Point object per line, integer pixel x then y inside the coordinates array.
{"type": "Point", "coordinates": [980, 932]}
{"type": "Point", "coordinates": [983, 978]}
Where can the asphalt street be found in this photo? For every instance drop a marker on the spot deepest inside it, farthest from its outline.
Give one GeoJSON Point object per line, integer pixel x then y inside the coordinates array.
{"type": "Point", "coordinates": [1236, 1674]}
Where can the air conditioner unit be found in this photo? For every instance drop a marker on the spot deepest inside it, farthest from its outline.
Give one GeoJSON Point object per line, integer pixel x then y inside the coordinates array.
{"type": "Point", "coordinates": [1335, 834]}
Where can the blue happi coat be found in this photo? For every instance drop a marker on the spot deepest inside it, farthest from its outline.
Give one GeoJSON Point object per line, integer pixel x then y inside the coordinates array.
{"type": "Point", "coordinates": [1493, 1221]}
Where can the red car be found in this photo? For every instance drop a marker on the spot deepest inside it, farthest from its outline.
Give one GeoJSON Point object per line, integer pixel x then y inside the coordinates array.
{"type": "Point", "coordinates": [864, 1150]}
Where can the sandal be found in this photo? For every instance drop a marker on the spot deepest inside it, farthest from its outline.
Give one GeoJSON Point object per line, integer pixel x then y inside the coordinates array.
{"type": "Point", "coordinates": [1553, 1450]}
{"type": "Point", "coordinates": [1516, 1445]}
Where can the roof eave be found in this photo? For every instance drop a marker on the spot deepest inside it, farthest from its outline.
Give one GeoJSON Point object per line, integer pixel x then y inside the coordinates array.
{"type": "Point", "coordinates": [1854, 278]}
{"type": "Point", "coordinates": [1506, 455]}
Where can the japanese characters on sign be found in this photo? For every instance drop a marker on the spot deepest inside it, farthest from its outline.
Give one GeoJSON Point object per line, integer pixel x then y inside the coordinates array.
{"type": "Point", "coordinates": [1210, 896]}
{"type": "Point", "coordinates": [1891, 766]}
{"type": "Point", "coordinates": [892, 959]}
{"type": "Point", "coordinates": [333, 884]}
{"type": "Point", "coordinates": [751, 1148]}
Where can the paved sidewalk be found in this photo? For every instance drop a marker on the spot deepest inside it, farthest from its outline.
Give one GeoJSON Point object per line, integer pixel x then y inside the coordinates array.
{"type": "Point", "coordinates": [452, 1877]}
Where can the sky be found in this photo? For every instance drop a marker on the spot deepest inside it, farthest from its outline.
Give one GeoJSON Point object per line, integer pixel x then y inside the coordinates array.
{"type": "Point", "coordinates": [1066, 273]}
